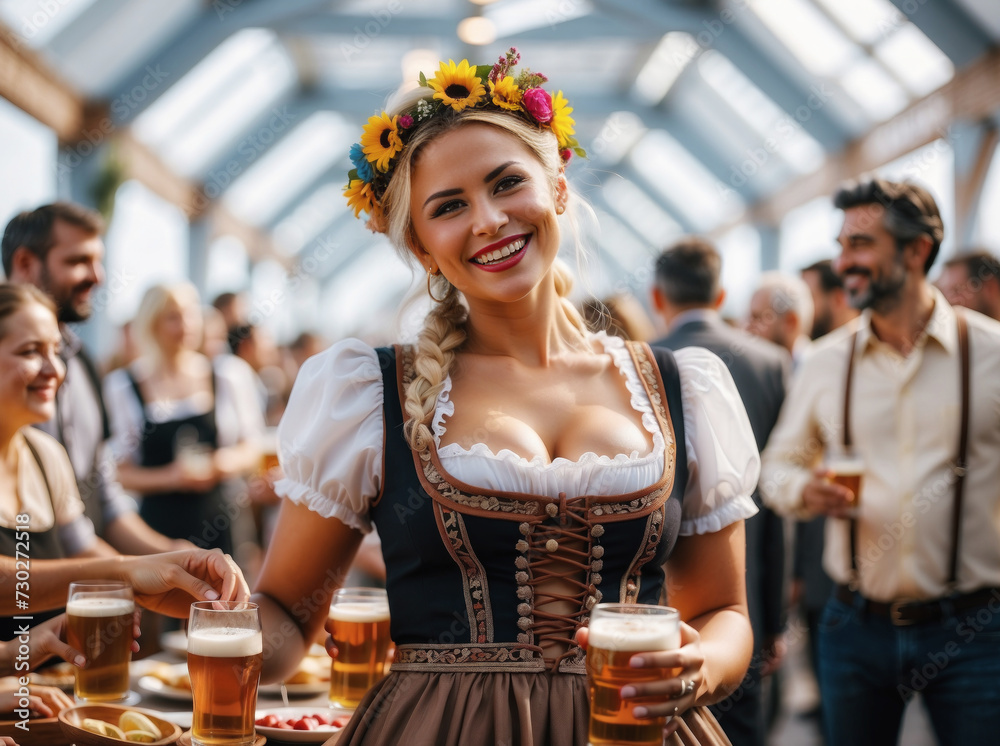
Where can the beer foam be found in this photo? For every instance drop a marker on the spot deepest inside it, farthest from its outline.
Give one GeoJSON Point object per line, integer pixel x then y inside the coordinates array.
{"type": "Point", "coordinates": [359, 612]}
{"type": "Point", "coordinates": [91, 606]}
{"type": "Point", "coordinates": [846, 468]}
{"type": "Point", "coordinates": [635, 634]}
{"type": "Point", "coordinates": [225, 642]}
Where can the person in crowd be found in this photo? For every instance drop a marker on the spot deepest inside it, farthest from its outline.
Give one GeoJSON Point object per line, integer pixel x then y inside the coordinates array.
{"type": "Point", "coordinates": [811, 586]}
{"type": "Point", "coordinates": [124, 353]}
{"type": "Point", "coordinates": [519, 468]}
{"type": "Point", "coordinates": [214, 333]}
{"type": "Point", "coordinates": [687, 295]}
{"type": "Point", "coordinates": [621, 315]}
{"type": "Point", "coordinates": [38, 494]}
{"type": "Point", "coordinates": [781, 311]}
{"type": "Point", "coordinates": [911, 386]}
{"type": "Point", "coordinates": [972, 279]}
{"type": "Point", "coordinates": [182, 425]}
{"type": "Point", "coordinates": [58, 248]}
{"type": "Point", "coordinates": [304, 347]}
{"type": "Point", "coordinates": [254, 345]}
{"type": "Point", "coordinates": [233, 307]}
{"type": "Point", "coordinates": [831, 308]}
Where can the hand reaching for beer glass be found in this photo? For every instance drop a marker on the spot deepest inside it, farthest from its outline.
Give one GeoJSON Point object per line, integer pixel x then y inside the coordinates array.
{"type": "Point", "coordinates": [167, 583]}
{"type": "Point", "coordinates": [643, 667]}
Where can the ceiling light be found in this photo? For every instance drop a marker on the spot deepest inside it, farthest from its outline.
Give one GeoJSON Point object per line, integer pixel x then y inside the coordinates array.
{"type": "Point", "coordinates": [477, 31]}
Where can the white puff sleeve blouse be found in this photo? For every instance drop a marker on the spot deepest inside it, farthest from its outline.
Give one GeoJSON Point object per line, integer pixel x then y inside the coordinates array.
{"type": "Point", "coordinates": [331, 443]}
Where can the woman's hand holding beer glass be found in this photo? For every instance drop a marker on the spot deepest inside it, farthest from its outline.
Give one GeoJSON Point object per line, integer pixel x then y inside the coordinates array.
{"type": "Point", "coordinates": [644, 667]}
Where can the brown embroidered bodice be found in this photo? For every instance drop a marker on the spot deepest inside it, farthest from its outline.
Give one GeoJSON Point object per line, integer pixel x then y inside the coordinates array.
{"type": "Point", "coordinates": [480, 581]}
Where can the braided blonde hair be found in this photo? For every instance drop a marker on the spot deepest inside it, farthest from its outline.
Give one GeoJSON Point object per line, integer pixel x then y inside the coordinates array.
{"type": "Point", "coordinates": [444, 331]}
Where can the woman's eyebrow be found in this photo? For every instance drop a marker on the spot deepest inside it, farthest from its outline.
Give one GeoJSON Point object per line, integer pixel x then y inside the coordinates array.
{"type": "Point", "coordinates": [445, 193]}
{"type": "Point", "coordinates": [496, 171]}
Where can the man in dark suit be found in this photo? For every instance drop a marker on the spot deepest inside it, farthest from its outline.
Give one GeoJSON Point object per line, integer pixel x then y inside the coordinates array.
{"type": "Point", "coordinates": [687, 295]}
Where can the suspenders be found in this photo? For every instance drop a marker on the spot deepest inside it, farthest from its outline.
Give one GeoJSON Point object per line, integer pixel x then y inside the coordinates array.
{"type": "Point", "coordinates": [959, 467]}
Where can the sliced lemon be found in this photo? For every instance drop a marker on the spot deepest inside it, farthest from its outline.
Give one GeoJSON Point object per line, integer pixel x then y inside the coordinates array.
{"type": "Point", "coordinates": [136, 721]}
{"type": "Point", "coordinates": [104, 729]}
{"type": "Point", "coordinates": [140, 736]}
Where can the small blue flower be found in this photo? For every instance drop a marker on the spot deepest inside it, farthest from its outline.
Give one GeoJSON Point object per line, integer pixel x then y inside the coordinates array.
{"type": "Point", "coordinates": [360, 161]}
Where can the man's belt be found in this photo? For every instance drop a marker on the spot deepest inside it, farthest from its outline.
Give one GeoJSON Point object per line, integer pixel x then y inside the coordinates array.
{"type": "Point", "coordinates": [906, 613]}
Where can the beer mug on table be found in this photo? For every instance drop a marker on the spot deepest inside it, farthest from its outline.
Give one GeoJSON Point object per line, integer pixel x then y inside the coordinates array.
{"type": "Point", "coordinates": [99, 624]}
{"type": "Point", "coordinates": [225, 656]}
{"type": "Point", "coordinates": [847, 468]}
{"type": "Point", "coordinates": [617, 632]}
{"type": "Point", "coordinates": [359, 626]}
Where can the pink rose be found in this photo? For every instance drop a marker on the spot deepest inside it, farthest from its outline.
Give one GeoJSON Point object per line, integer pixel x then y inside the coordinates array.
{"type": "Point", "coordinates": [538, 103]}
{"type": "Point", "coordinates": [406, 121]}
{"type": "Point", "coordinates": [565, 154]}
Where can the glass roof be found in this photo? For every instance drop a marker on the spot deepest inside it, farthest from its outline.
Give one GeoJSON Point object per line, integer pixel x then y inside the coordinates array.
{"type": "Point", "coordinates": [686, 130]}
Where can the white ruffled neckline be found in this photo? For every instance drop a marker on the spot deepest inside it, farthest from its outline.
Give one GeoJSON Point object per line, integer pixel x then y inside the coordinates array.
{"type": "Point", "coordinates": [639, 400]}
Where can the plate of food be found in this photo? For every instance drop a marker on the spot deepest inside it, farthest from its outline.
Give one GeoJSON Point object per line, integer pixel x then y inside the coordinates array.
{"type": "Point", "coordinates": [175, 642]}
{"type": "Point", "coordinates": [311, 678]}
{"type": "Point", "coordinates": [61, 675]}
{"type": "Point", "coordinates": [168, 681]}
{"type": "Point", "coordinates": [301, 724]}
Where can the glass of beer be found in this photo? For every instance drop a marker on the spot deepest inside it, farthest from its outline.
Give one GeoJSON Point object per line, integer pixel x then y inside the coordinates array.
{"type": "Point", "coordinates": [617, 632]}
{"type": "Point", "coordinates": [359, 626]}
{"type": "Point", "coordinates": [268, 451]}
{"type": "Point", "coordinates": [847, 468]}
{"type": "Point", "coordinates": [225, 655]}
{"type": "Point", "coordinates": [99, 624]}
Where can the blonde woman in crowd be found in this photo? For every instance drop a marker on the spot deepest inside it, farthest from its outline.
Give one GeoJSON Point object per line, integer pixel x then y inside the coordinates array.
{"type": "Point", "coordinates": [181, 425]}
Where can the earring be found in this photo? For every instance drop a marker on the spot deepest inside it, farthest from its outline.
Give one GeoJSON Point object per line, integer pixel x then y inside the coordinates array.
{"type": "Point", "coordinates": [429, 292]}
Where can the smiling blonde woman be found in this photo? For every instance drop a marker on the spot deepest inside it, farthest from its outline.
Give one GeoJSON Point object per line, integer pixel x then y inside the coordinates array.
{"type": "Point", "coordinates": [519, 468]}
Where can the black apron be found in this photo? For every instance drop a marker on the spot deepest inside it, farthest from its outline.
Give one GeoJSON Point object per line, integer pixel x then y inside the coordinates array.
{"type": "Point", "coordinates": [41, 545]}
{"type": "Point", "coordinates": [199, 517]}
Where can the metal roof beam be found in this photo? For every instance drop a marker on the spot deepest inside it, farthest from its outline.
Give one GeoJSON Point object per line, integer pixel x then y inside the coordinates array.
{"type": "Point", "coordinates": [85, 25]}
{"type": "Point", "coordinates": [660, 16]}
{"type": "Point", "coordinates": [949, 26]}
{"type": "Point", "coordinates": [809, 103]}
{"type": "Point", "coordinates": [626, 171]}
{"type": "Point", "coordinates": [972, 95]}
{"type": "Point", "coordinates": [28, 83]}
{"type": "Point", "coordinates": [336, 173]}
{"type": "Point", "coordinates": [178, 55]}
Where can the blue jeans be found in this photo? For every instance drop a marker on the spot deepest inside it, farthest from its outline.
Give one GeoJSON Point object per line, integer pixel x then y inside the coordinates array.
{"type": "Point", "coordinates": [869, 670]}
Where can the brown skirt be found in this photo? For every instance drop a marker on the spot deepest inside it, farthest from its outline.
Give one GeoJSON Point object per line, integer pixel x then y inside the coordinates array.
{"type": "Point", "coordinates": [491, 709]}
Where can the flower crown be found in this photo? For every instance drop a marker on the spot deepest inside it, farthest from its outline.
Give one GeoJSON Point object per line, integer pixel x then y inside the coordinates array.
{"type": "Point", "coordinates": [455, 87]}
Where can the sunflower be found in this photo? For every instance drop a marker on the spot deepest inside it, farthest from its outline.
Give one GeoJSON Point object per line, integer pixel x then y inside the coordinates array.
{"type": "Point", "coordinates": [562, 123]}
{"type": "Point", "coordinates": [457, 87]}
{"type": "Point", "coordinates": [506, 94]}
{"type": "Point", "coordinates": [359, 196]}
{"type": "Point", "coordinates": [380, 140]}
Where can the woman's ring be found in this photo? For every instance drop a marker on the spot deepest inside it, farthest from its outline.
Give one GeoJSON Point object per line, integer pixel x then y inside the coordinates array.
{"type": "Point", "coordinates": [688, 687]}
{"type": "Point", "coordinates": [674, 713]}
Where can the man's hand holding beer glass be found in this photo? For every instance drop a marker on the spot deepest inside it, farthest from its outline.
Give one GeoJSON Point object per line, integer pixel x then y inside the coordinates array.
{"type": "Point", "coordinates": [835, 487]}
